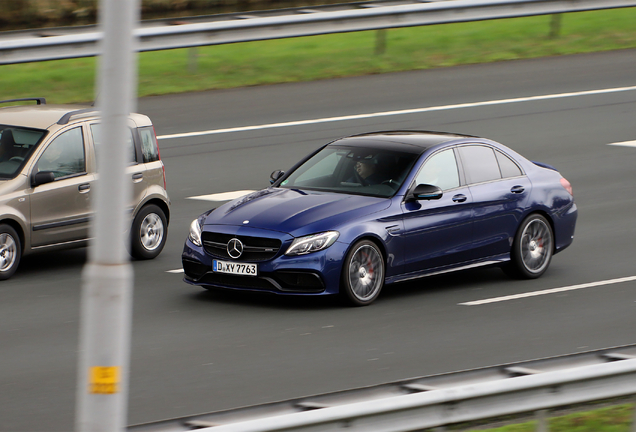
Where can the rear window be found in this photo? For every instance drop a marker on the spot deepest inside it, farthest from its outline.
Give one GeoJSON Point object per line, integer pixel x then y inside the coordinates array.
{"type": "Point", "coordinates": [149, 147]}
{"type": "Point", "coordinates": [16, 146]}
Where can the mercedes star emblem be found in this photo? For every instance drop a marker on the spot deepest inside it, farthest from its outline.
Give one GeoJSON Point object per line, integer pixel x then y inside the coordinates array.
{"type": "Point", "coordinates": [234, 248]}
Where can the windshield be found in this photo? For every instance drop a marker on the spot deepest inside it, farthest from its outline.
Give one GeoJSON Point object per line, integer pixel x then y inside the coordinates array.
{"type": "Point", "coordinates": [16, 146]}
{"type": "Point", "coordinates": [353, 170]}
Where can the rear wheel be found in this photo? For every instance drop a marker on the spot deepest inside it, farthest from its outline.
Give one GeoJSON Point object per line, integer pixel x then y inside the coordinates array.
{"type": "Point", "coordinates": [363, 273]}
{"type": "Point", "coordinates": [10, 251]}
{"type": "Point", "coordinates": [149, 232]}
{"type": "Point", "coordinates": [532, 248]}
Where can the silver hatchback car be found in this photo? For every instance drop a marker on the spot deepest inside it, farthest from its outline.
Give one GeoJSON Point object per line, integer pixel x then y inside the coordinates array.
{"type": "Point", "coordinates": [47, 170]}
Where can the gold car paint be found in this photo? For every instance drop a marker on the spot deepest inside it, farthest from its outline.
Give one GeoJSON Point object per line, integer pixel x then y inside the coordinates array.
{"type": "Point", "coordinates": [14, 205]}
{"type": "Point", "coordinates": [60, 211]}
{"type": "Point", "coordinates": [19, 201]}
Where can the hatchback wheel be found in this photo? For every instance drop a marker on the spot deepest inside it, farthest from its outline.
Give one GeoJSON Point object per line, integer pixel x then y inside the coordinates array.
{"type": "Point", "coordinates": [363, 273]}
{"type": "Point", "coordinates": [149, 232]}
{"type": "Point", "coordinates": [10, 251]}
{"type": "Point", "coordinates": [532, 247]}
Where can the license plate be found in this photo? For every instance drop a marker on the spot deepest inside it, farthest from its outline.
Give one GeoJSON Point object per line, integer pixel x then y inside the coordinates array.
{"type": "Point", "coordinates": [235, 268]}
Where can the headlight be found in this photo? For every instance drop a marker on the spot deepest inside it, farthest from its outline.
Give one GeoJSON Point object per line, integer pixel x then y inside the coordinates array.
{"type": "Point", "coordinates": [312, 243]}
{"type": "Point", "coordinates": [195, 232]}
{"type": "Point", "coordinates": [195, 229]}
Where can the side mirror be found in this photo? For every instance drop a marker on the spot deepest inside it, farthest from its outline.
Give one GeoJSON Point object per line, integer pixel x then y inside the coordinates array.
{"type": "Point", "coordinates": [42, 177]}
{"type": "Point", "coordinates": [426, 192]}
{"type": "Point", "coordinates": [273, 178]}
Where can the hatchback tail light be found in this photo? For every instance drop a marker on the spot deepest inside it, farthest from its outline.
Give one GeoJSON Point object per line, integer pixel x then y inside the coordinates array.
{"type": "Point", "coordinates": [163, 167]}
{"type": "Point", "coordinates": [567, 186]}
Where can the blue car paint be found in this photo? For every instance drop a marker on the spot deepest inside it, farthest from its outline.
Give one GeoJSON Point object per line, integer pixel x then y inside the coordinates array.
{"type": "Point", "coordinates": [417, 238]}
{"type": "Point", "coordinates": [295, 212]}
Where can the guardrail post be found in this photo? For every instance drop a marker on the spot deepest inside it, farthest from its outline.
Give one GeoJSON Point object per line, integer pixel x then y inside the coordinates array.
{"type": "Point", "coordinates": [555, 26]}
{"type": "Point", "coordinates": [634, 415]}
{"type": "Point", "coordinates": [193, 56]}
{"type": "Point", "coordinates": [380, 42]}
{"type": "Point", "coordinates": [542, 421]}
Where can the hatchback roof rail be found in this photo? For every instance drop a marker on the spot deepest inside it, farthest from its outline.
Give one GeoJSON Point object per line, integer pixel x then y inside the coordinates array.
{"type": "Point", "coordinates": [67, 117]}
{"type": "Point", "coordinates": [40, 101]}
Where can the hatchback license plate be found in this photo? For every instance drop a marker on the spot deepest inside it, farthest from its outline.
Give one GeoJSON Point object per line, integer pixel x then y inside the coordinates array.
{"type": "Point", "coordinates": [235, 268]}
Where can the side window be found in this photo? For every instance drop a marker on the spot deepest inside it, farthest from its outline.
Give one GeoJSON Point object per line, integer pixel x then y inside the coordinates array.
{"type": "Point", "coordinates": [507, 166]}
{"type": "Point", "coordinates": [440, 170]}
{"type": "Point", "coordinates": [480, 164]}
{"type": "Point", "coordinates": [96, 133]}
{"type": "Point", "coordinates": [65, 155]}
{"type": "Point", "coordinates": [149, 147]}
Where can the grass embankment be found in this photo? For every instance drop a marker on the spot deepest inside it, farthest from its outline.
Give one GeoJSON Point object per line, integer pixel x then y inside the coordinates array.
{"type": "Point", "coordinates": [617, 418]}
{"type": "Point", "coordinates": [329, 56]}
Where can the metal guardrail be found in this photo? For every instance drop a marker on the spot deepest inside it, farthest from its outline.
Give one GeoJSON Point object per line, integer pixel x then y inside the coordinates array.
{"type": "Point", "coordinates": [65, 43]}
{"type": "Point", "coordinates": [435, 401]}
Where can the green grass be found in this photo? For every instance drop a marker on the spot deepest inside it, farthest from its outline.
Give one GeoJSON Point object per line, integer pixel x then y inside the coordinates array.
{"type": "Point", "coordinates": [329, 56]}
{"type": "Point", "coordinates": [616, 418]}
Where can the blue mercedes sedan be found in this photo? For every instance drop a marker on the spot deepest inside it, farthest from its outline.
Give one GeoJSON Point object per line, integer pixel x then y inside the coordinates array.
{"type": "Point", "coordinates": [374, 209]}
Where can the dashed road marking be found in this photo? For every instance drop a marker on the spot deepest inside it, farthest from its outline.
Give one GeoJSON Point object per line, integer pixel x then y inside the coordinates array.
{"type": "Point", "coordinates": [225, 196]}
{"type": "Point", "coordinates": [175, 271]}
{"type": "Point", "coordinates": [549, 291]}
{"type": "Point", "coordinates": [624, 144]}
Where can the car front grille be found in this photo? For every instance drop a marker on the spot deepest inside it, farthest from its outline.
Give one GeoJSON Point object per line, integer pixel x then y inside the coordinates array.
{"type": "Point", "coordinates": [254, 248]}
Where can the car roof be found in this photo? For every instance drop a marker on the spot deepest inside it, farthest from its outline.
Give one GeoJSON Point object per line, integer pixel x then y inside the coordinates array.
{"type": "Point", "coordinates": [35, 116]}
{"type": "Point", "coordinates": [408, 141]}
{"type": "Point", "coordinates": [44, 116]}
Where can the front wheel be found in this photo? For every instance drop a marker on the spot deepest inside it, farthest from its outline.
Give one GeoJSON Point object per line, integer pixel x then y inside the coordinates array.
{"type": "Point", "coordinates": [10, 251]}
{"type": "Point", "coordinates": [149, 232]}
{"type": "Point", "coordinates": [532, 247]}
{"type": "Point", "coordinates": [363, 273]}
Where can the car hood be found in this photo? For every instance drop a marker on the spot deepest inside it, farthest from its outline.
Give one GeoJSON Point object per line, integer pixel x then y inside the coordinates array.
{"type": "Point", "coordinates": [294, 211]}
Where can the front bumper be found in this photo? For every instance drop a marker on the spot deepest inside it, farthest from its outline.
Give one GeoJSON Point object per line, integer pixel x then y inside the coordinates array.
{"type": "Point", "coordinates": [316, 273]}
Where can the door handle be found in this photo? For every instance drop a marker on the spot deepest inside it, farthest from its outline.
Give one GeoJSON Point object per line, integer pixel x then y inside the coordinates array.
{"type": "Point", "coordinates": [517, 189]}
{"type": "Point", "coordinates": [83, 188]}
{"type": "Point", "coordinates": [137, 177]}
{"type": "Point", "coordinates": [459, 198]}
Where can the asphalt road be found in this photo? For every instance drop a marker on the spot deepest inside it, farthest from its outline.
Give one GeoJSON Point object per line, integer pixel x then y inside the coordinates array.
{"type": "Point", "coordinates": [194, 351]}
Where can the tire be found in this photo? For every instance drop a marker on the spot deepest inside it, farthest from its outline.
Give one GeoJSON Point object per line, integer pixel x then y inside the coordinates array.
{"type": "Point", "coordinates": [10, 251]}
{"type": "Point", "coordinates": [149, 232]}
{"type": "Point", "coordinates": [532, 248]}
{"type": "Point", "coordinates": [362, 273]}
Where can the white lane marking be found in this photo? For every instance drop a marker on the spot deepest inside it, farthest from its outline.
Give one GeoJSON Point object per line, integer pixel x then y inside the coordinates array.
{"type": "Point", "coordinates": [624, 144]}
{"type": "Point", "coordinates": [399, 112]}
{"type": "Point", "coordinates": [175, 271]}
{"type": "Point", "coordinates": [548, 291]}
{"type": "Point", "coordinates": [225, 196]}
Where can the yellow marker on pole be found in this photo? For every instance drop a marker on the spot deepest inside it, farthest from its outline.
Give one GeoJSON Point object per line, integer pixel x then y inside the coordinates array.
{"type": "Point", "coordinates": [104, 380]}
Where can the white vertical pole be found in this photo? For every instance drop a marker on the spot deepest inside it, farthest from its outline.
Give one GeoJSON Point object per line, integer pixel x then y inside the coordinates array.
{"type": "Point", "coordinates": [106, 309]}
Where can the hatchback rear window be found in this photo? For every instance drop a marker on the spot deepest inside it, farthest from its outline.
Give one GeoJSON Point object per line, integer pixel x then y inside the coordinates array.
{"type": "Point", "coordinates": [149, 147]}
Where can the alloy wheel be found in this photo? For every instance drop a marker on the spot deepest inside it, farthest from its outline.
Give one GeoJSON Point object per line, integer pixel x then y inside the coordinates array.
{"type": "Point", "coordinates": [151, 231]}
